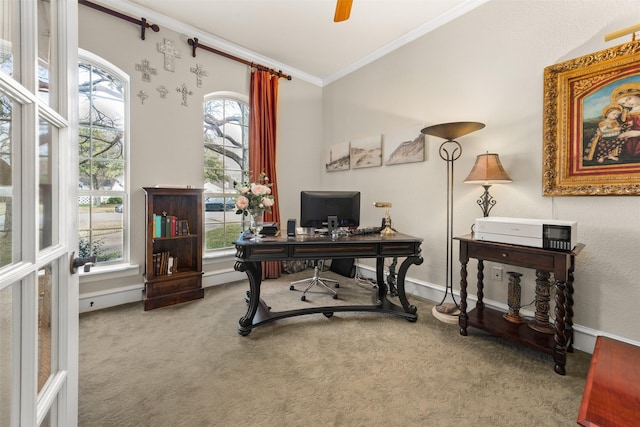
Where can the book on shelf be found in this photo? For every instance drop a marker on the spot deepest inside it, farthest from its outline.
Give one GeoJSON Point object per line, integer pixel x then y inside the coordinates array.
{"type": "Point", "coordinates": [164, 263]}
{"type": "Point", "coordinates": [169, 225]}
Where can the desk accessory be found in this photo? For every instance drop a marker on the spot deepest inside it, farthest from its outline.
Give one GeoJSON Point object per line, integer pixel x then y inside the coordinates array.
{"type": "Point", "coordinates": [291, 228]}
{"type": "Point", "coordinates": [450, 151]}
{"type": "Point", "coordinates": [387, 230]}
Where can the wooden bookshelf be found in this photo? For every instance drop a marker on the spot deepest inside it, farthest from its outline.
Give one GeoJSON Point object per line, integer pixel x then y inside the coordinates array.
{"type": "Point", "coordinates": [173, 256]}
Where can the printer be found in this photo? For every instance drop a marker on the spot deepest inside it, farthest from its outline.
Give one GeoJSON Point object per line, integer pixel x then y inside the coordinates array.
{"type": "Point", "coordinates": [538, 233]}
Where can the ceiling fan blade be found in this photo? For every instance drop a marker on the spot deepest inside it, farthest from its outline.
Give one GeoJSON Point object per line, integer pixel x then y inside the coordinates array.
{"type": "Point", "coordinates": [343, 10]}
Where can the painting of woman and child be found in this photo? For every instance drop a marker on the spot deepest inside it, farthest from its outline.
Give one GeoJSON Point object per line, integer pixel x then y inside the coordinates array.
{"type": "Point", "coordinates": [592, 124]}
{"type": "Point", "coordinates": [611, 124]}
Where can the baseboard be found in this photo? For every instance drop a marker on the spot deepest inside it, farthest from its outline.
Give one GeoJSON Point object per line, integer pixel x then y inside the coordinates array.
{"type": "Point", "coordinates": [110, 298]}
{"type": "Point", "coordinates": [133, 293]}
{"type": "Point", "coordinates": [584, 338]}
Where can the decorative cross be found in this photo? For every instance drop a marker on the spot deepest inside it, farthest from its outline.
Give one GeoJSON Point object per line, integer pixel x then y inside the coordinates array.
{"type": "Point", "coordinates": [146, 70]}
{"type": "Point", "coordinates": [199, 72]}
{"type": "Point", "coordinates": [184, 92]}
{"type": "Point", "coordinates": [163, 91]}
{"type": "Point", "coordinates": [170, 54]}
{"type": "Point", "coordinates": [142, 95]}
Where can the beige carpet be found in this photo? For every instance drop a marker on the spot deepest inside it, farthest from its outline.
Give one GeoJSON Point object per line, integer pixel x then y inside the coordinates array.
{"type": "Point", "coordinates": [186, 365]}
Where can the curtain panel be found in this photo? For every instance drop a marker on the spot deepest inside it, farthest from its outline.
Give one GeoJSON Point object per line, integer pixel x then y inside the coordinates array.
{"type": "Point", "coordinates": [263, 106]}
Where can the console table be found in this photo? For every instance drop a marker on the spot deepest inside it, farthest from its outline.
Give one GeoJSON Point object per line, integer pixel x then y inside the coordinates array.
{"type": "Point", "coordinates": [559, 339]}
{"type": "Point", "coordinates": [250, 254]}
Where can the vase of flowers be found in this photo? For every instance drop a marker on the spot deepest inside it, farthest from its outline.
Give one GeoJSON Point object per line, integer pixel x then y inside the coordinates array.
{"type": "Point", "coordinates": [254, 199]}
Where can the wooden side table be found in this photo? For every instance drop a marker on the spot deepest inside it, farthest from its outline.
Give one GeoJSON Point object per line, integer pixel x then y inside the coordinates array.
{"type": "Point", "coordinates": [545, 261]}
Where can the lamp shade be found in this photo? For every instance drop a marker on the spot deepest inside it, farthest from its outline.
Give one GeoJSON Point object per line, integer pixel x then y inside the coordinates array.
{"type": "Point", "coordinates": [451, 131]}
{"type": "Point", "coordinates": [487, 170]}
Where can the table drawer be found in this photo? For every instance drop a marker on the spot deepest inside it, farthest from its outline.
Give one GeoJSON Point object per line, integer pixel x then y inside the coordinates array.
{"type": "Point", "coordinates": [523, 258]}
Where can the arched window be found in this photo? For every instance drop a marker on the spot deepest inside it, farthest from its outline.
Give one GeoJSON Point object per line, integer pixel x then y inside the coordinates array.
{"type": "Point", "coordinates": [103, 160]}
{"type": "Point", "coordinates": [226, 161]}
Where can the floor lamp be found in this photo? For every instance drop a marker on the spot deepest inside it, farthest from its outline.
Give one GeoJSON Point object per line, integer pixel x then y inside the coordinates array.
{"type": "Point", "coordinates": [450, 151]}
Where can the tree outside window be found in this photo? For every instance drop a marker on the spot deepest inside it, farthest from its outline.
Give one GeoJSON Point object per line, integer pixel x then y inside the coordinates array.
{"type": "Point", "coordinates": [226, 161]}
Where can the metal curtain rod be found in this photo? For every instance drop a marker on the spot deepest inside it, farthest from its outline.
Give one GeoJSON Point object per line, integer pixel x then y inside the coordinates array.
{"type": "Point", "coordinates": [622, 32]}
{"type": "Point", "coordinates": [194, 45]}
{"type": "Point", "coordinates": [142, 21]}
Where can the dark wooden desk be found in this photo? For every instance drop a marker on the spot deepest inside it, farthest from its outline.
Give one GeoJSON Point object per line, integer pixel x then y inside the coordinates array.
{"type": "Point", "coordinates": [612, 393]}
{"type": "Point", "coordinates": [251, 253]}
{"type": "Point", "coordinates": [544, 261]}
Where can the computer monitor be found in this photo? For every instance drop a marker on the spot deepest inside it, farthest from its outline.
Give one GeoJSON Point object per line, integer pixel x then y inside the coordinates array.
{"type": "Point", "coordinates": [317, 206]}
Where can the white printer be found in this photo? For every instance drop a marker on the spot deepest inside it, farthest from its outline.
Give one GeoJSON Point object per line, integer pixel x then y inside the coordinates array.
{"type": "Point", "coordinates": [538, 233]}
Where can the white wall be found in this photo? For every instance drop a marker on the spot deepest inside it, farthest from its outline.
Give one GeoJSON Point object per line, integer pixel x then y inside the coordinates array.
{"type": "Point", "coordinates": [487, 66]}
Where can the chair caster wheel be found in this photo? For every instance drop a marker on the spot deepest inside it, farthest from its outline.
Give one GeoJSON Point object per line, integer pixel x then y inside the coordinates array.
{"type": "Point", "coordinates": [335, 297]}
{"type": "Point", "coordinates": [337, 285]}
{"type": "Point", "coordinates": [292, 288]}
{"type": "Point", "coordinates": [327, 315]}
{"type": "Point", "coordinates": [303, 298]}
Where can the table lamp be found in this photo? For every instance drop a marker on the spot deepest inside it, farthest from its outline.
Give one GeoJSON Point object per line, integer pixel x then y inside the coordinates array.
{"type": "Point", "coordinates": [487, 171]}
{"type": "Point", "coordinates": [387, 230]}
{"type": "Point", "coordinates": [450, 151]}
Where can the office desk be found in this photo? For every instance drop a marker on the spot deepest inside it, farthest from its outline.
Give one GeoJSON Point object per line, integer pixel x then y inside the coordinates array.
{"type": "Point", "coordinates": [251, 253]}
{"type": "Point", "coordinates": [545, 261]}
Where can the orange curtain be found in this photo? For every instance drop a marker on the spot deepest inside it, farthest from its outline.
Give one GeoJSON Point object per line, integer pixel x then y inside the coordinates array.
{"type": "Point", "coordinates": [263, 108]}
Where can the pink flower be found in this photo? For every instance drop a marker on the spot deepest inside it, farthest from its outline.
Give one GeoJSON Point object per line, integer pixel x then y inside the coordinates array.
{"type": "Point", "coordinates": [260, 189]}
{"type": "Point", "coordinates": [242, 203]}
{"type": "Point", "coordinates": [244, 190]}
{"type": "Point", "coordinates": [267, 202]}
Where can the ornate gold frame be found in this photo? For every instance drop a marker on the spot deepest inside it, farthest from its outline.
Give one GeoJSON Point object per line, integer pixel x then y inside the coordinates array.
{"type": "Point", "coordinates": [571, 89]}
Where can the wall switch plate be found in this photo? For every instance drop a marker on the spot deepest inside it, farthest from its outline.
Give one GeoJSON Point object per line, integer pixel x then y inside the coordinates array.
{"type": "Point", "coordinates": [496, 273]}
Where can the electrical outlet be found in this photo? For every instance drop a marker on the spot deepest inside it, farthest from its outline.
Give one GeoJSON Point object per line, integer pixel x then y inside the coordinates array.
{"type": "Point", "coordinates": [496, 273]}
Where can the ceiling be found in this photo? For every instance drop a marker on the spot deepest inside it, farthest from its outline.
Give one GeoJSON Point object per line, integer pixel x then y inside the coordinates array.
{"type": "Point", "coordinates": [299, 36]}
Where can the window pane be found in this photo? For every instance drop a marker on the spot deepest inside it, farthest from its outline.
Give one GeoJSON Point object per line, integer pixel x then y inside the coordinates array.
{"type": "Point", "coordinates": [102, 163]}
{"type": "Point", "coordinates": [8, 44]}
{"type": "Point", "coordinates": [226, 159]}
{"type": "Point", "coordinates": [101, 227]}
{"type": "Point", "coordinates": [7, 206]}
{"type": "Point", "coordinates": [45, 301]}
{"type": "Point", "coordinates": [46, 181]}
{"type": "Point", "coordinates": [7, 346]}
{"type": "Point", "coordinates": [46, 53]}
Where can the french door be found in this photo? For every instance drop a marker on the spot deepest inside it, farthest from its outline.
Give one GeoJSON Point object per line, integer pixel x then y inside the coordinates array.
{"type": "Point", "coordinates": [38, 218]}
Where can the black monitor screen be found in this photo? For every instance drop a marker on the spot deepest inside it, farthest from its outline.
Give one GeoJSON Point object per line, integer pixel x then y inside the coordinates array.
{"type": "Point", "coordinates": [317, 206]}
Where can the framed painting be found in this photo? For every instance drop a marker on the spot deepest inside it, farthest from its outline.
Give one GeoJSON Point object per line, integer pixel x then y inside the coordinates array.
{"type": "Point", "coordinates": [592, 124]}
{"type": "Point", "coordinates": [404, 146]}
{"type": "Point", "coordinates": [337, 157]}
{"type": "Point", "coordinates": [366, 152]}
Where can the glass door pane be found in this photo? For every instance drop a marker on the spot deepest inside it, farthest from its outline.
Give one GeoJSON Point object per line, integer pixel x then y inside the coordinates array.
{"type": "Point", "coordinates": [8, 342]}
{"type": "Point", "coordinates": [46, 186]}
{"type": "Point", "coordinates": [7, 172]}
{"type": "Point", "coordinates": [45, 333]}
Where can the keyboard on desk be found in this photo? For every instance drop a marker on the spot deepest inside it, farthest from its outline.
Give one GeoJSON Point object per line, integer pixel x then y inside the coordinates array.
{"type": "Point", "coordinates": [365, 230]}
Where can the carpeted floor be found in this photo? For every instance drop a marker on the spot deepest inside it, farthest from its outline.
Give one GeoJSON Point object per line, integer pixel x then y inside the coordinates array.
{"type": "Point", "coordinates": [186, 365]}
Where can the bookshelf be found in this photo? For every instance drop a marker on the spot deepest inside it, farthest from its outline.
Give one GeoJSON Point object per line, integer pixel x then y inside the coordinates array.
{"type": "Point", "coordinates": [173, 255]}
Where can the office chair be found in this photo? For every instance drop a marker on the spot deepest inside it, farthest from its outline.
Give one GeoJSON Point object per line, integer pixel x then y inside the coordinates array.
{"type": "Point", "coordinates": [316, 280]}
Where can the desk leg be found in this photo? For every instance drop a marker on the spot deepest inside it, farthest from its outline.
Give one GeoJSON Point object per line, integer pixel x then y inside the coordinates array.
{"type": "Point", "coordinates": [254, 273]}
{"type": "Point", "coordinates": [462, 317]}
{"type": "Point", "coordinates": [382, 287]}
{"type": "Point", "coordinates": [402, 273]}
{"type": "Point", "coordinates": [559, 336]}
